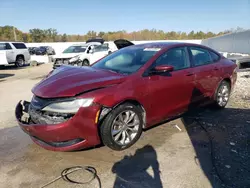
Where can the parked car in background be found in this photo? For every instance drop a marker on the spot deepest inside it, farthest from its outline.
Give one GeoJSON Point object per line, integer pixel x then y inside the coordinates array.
{"type": "Point", "coordinates": [32, 50]}
{"type": "Point", "coordinates": [132, 89]}
{"type": "Point", "coordinates": [99, 52]}
{"type": "Point", "coordinates": [45, 50]}
{"type": "Point", "coordinates": [16, 53]}
{"type": "Point", "coordinates": [72, 51]}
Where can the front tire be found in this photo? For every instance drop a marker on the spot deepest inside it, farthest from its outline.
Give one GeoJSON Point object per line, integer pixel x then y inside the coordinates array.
{"type": "Point", "coordinates": [122, 127]}
{"type": "Point", "coordinates": [85, 63]}
{"type": "Point", "coordinates": [222, 94]}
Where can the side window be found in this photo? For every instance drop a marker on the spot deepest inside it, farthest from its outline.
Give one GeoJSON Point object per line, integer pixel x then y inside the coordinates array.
{"type": "Point", "coordinates": [176, 57]}
{"type": "Point", "coordinates": [200, 56]}
{"type": "Point", "coordinates": [7, 46]}
{"type": "Point", "coordinates": [214, 56]}
{"type": "Point", "coordinates": [101, 48]}
{"type": "Point", "coordinates": [19, 45]}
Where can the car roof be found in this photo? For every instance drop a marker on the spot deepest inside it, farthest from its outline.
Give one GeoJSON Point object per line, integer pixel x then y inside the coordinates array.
{"type": "Point", "coordinates": [165, 44]}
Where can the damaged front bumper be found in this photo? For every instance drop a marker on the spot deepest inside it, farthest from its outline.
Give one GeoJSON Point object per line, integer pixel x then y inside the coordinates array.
{"type": "Point", "coordinates": [74, 133]}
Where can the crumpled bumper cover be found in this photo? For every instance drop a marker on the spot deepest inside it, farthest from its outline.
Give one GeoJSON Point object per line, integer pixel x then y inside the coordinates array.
{"type": "Point", "coordinates": [76, 133]}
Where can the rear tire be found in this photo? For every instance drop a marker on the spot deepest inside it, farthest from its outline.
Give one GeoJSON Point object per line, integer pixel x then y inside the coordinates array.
{"type": "Point", "coordinates": [222, 94]}
{"type": "Point", "coordinates": [20, 61]}
{"type": "Point", "coordinates": [122, 127]}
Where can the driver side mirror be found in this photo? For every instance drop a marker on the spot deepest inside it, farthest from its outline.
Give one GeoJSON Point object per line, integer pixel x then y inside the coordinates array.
{"type": "Point", "coordinates": [162, 69]}
{"type": "Point", "coordinates": [91, 51]}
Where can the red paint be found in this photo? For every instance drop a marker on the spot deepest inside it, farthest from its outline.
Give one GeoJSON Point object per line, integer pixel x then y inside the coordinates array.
{"type": "Point", "coordinates": [82, 125]}
{"type": "Point", "coordinates": [161, 96]}
{"type": "Point", "coordinates": [164, 68]}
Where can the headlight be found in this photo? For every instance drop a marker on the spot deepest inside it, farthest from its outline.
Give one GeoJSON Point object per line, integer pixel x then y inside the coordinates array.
{"type": "Point", "coordinates": [73, 59]}
{"type": "Point", "coordinates": [68, 106]}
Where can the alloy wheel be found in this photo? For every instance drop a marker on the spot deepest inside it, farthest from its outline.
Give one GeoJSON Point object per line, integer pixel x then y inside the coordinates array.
{"type": "Point", "coordinates": [223, 95]}
{"type": "Point", "coordinates": [125, 127]}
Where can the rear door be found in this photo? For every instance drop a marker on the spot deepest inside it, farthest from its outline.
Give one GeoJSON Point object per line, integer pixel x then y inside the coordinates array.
{"type": "Point", "coordinates": [207, 71]}
{"type": "Point", "coordinates": [21, 49]}
{"type": "Point", "coordinates": [170, 94]}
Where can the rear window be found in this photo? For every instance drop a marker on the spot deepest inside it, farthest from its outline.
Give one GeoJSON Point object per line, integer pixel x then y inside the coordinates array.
{"type": "Point", "coordinates": [201, 56]}
{"type": "Point", "coordinates": [215, 57]}
{"type": "Point", "coordinates": [19, 45]}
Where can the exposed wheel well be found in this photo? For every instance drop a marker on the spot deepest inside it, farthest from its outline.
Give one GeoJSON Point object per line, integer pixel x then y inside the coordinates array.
{"type": "Point", "coordinates": [139, 105]}
{"type": "Point", "coordinates": [228, 80]}
{"type": "Point", "coordinates": [86, 60]}
{"type": "Point", "coordinates": [20, 55]}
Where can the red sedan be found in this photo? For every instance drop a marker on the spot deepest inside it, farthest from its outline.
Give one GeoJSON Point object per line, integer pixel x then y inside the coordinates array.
{"type": "Point", "coordinates": [113, 100]}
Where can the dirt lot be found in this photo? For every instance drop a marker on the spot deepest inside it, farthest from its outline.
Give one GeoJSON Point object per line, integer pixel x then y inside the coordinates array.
{"type": "Point", "coordinates": [211, 150]}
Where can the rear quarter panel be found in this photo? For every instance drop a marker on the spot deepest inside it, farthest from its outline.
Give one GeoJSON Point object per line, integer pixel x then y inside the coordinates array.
{"type": "Point", "coordinates": [229, 70]}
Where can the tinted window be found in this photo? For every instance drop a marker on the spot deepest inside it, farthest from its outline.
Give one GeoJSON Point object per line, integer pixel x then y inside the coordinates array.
{"type": "Point", "coordinates": [8, 47]}
{"type": "Point", "coordinates": [19, 45]}
{"type": "Point", "coordinates": [126, 60]}
{"type": "Point", "coordinates": [176, 57]}
{"type": "Point", "coordinates": [214, 56]}
{"type": "Point", "coordinates": [200, 56]}
{"type": "Point", "coordinates": [101, 48]}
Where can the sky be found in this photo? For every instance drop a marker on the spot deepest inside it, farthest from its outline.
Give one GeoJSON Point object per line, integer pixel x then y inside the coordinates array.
{"type": "Point", "coordinates": [80, 16]}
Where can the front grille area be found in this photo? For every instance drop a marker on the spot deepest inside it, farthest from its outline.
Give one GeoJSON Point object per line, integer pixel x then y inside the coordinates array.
{"type": "Point", "coordinates": [60, 61]}
{"type": "Point", "coordinates": [38, 116]}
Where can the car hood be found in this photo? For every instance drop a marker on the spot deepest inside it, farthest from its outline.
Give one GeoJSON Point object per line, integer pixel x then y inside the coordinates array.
{"type": "Point", "coordinates": [69, 81]}
{"type": "Point", "coordinates": [67, 55]}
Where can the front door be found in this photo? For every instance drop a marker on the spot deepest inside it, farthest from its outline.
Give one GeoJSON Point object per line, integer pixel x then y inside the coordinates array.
{"type": "Point", "coordinates": [170, 94]}
{"type": "Point", "coordinates": [10, 55]}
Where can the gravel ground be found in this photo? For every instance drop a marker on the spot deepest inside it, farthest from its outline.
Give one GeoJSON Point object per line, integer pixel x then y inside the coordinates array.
{"type": "Point", "coordinates": [241, 94]}
{"type": "Point", "coordinates": [211, 150]}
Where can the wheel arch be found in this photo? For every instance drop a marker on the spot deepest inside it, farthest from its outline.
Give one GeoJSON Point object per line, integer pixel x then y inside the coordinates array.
{"type": "Point", "coordinates": [86, 59]}
{"type": "Point", "coordinates": [20, 55]}
{"type": "Point", "coordinates": [227, 79]}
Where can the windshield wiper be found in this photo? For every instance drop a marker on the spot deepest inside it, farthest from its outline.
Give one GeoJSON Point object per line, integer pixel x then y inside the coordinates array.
{"type": "Point", "coordinates": [116, 71]}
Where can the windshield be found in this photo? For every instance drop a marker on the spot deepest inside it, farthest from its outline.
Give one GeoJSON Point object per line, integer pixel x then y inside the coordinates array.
{"type": "Point", "coordinates": [127, 60]}
{"type": "Point", "coordinates": [75, 49]}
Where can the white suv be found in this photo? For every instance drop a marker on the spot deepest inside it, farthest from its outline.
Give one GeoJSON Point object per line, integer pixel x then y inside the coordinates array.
{"type": "Point", "coordinates": [13, 53]}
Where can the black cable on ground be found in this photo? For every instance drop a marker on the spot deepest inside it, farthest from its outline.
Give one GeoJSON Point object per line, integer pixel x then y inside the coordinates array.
{"type": "Point", "coordinates": [67, 171]}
